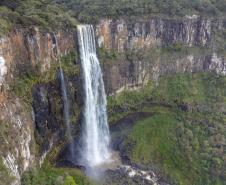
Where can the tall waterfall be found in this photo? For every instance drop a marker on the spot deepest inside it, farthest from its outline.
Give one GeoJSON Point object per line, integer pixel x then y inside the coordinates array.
{"type": "Point", "coordinates": [95, 131]}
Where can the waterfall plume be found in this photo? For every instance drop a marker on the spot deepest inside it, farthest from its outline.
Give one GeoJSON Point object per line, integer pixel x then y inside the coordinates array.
{"type": "Point", "coordinates": [95, 133]}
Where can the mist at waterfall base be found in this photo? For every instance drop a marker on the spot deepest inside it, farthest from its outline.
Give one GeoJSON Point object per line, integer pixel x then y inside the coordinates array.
{"type": "Point", "coordinates": [95, 131]}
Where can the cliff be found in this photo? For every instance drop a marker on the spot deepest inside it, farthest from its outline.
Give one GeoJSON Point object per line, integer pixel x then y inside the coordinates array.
{"type": "Point", "coordinates": [24, 53]}
{"type": "Point", "coordinates": [150, 48]}
{"type": "Point", "coordinates": [123, 34]}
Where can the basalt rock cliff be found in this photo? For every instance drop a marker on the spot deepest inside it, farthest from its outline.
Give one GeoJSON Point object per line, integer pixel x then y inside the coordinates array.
{"type": "Point", "coordinates": [134, 40]}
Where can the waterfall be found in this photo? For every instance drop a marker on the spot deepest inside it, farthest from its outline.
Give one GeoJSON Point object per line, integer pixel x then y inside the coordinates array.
{"type": "Point", "coordinates": [65, 100]}
{"type": "Point", "coordinates": [63, 93]}
{"type": "Point", "coordinates": [95, 127]}
{"type": "Point", "coordinates": [66, 111]}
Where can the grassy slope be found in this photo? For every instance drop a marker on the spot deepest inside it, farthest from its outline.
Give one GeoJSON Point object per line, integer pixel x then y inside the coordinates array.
{"type": "Point", "coordinates": [188, 147]}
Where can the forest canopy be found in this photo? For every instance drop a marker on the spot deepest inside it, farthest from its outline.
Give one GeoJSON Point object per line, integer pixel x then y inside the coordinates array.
{"type": "Point", "coordinates": [90, 9]}
{"type": "Point", "coordinates": [55, 14]}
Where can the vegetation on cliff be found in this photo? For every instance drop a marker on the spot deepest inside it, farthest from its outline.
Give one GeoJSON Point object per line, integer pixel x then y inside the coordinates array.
{"type": "Point", "coordinates": [22, 86]}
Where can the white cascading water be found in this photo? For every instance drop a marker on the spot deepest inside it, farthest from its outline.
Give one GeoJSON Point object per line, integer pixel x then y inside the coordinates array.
{"type": "Point", "coordinates": [95, 131]}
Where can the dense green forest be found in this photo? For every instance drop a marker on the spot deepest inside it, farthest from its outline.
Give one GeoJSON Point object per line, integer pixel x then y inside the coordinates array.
{"type": "Point", "coordinates": [88, 10]}
{"type": "Point", "coordinates": [24, 13]}
{"type": "Point", "coordinates": [52, 14]}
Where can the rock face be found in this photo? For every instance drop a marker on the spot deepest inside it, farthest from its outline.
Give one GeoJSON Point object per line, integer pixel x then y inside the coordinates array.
{"type": "Point", "coordinates": [139, 37]}
{"type": "Point", "coordinates": [121, 35]}
{"type": "Point", "coordinates": [17, 138]}
{"type": "Point", "coordinates": [29, 48]}
{"type": "Point", "coordinates": [125, 74]}
{"type": "Point", "coordinates": [48, 113]}
{"type": "Point", "coordinates": [21, 52]}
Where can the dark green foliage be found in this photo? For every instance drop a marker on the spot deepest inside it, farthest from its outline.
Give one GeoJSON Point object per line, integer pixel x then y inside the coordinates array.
{"type": "Point", "coordinates": [199, 88]}
{"type": "Point", "coordinates": [126, 102]}
{"type": "Point", "coordinates": [54, 176]}
{"type": "Point", "coordinates": [43, 13]}
{"type": "Point", "coordinates": [55, 14]}
{"type": "Point", "coordinates": [92, 10]}
{"type": "Point", "coordinates": [202, 90]}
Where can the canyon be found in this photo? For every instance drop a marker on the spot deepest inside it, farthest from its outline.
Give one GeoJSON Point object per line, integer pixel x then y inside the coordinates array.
{"type": "Point", "coordinates": [131, 53]}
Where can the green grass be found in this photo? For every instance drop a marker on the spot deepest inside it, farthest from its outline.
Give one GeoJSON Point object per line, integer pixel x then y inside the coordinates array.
{"type": "Point", "coordinates": [154, 142]}
{"type": "Point", "coordinates": [175, 146]}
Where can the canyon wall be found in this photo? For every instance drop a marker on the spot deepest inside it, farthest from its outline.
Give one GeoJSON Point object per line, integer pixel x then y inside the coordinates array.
{"type": "Point", "coordinates": [32, 48]}
{"type": "Point", "coordinates": [22, 53]}
{"type": "Point", "coordinates": [201, 37]}
{"type": "Point", "coordinates": [122, 34]}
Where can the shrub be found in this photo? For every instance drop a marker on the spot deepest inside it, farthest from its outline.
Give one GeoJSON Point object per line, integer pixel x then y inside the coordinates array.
{"type": "Point", "coordinates": [69, 181]}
